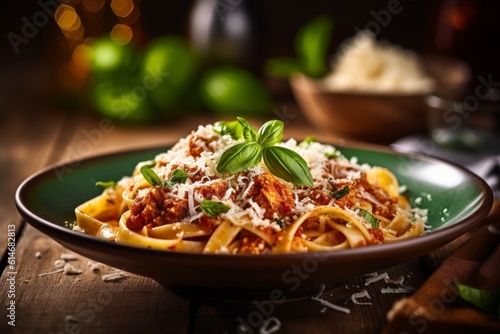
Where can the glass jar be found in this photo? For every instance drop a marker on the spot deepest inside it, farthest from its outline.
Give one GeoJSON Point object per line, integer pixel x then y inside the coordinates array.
{"type": "Point", "coordinates": [466, 121]}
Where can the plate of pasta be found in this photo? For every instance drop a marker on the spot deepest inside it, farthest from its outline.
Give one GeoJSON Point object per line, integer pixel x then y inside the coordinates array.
{"type": "Point", "coordinates": [235, 211]}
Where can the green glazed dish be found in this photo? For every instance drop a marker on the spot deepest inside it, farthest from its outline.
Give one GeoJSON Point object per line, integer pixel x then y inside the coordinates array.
{"type": "Point", "coordinates": [456, 199]}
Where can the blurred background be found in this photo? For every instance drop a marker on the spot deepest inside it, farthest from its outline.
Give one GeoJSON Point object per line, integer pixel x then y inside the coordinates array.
{"type": "Point", "coordinates": [144, 62]}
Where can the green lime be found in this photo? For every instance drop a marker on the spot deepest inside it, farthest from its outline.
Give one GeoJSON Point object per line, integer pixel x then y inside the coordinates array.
{"type": "Point", "coordinates": [108, 59]}
{"type": "Point", "coordinates": [169, 67]}
{"type": "Point", "coordinates": [122, 102]}
{"type": "Point", "coordinates": [234, 91]}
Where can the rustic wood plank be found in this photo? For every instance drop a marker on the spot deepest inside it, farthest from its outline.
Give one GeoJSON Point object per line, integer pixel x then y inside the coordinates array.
{"type": "Point", "coordinates": [25, 135]}
{"type": "Point", "coordinates": [60, 303]}
{"type": "Point", "coordinates": [307, 315]}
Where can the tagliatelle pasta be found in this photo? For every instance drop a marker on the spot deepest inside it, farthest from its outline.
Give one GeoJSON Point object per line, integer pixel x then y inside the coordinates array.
{"type": "Point", "coordinates": [252, 211]}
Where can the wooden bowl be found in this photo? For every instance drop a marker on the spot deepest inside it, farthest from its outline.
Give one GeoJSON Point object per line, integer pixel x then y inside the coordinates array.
{"type": "Point", "coordinates": [378, 118]}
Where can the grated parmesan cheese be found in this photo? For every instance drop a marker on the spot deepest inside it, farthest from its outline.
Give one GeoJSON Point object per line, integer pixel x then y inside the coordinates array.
{"type": "Point", "coordinates": [361, 294]}
{"type": "Point", "coordinates": [367, 65]}
{"type": "Point", "coordinates": [59, 264]}
{"type": "Point", "coordinates": [68, 257]}
{"type": "Point", "coordinates": [402, 289]}
{"type": "Point", "coordinates": [327, 303]}
{"type": "Point", "coordinates": [375, 277]}
{"type": "Point", "coordinates": [93, 266]}
{"type": "Point", "coordinates": [116, 276]}
{"type": "Point", "coordinates": [47, 273]}
{"type": "Point", "coordinates": [70, 270]}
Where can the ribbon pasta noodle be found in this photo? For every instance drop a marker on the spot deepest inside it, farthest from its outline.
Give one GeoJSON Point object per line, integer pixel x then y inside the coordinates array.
{"type": "Point", "coordinates": [349, 205]}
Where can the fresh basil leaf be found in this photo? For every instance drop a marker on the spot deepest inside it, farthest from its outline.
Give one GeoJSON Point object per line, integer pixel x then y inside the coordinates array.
{"type": "Point", "coordinates": [249, 133]}
{"type": "Point", "coordinates": [488, 300]}
{"type": "Point", "coordinates": [282, 67]}
{"type": "Point", "coordinates": [150, 176]}
{"type": "Point", "coordinates": [309, 139]}
{"type": "Point", "coordinates": [271, 133]}
{"type": "Point", "coordinates": [368, 217]}
{"type": "Point", "coordinates": [336, 154]}
{"type": "Point", "coordinates": [178, 176]}
{"type": "Point", "coordinates": [288, 165]}
{"type": "Point", "coordinates": [341, 192]}
{"type": "Point", "coordinates": [213, 208]}
{"type": "Point", "coordinates": [239, 157]}
{"type": "Point", "coordinates": [106, 184]}
{"type": "Point", "coordinates": [311, 46]}
{"type": "Point", "coordinates": [149, 163]}
{"type": "Point", "coordinates": [233, 128]}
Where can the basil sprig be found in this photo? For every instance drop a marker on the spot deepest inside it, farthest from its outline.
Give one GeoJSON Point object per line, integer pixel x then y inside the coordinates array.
{"type": "Point", "coordinates": [178, 176]}
{"type": "Point", "coordinates": [150, 176]}
{"type": "Point", "coordinates": [233, 128]}
{"type": "Point", "coordinates": [281, 161]}
{"type": "Point", "coordinates": [341, 192]}
{"type": "Point", "coordinates": [488, 300]}
{"type": "Point", "coordinates": [213, 208]}
{"type": "Point", "coordinates": [106, 184]}
{"type": "Point", "coordinates": [249, 132]}
{"type": "Point", "coordinates": [288, 165]}
{"type": "Point", "coordinates": [368, 217]}
{"type": "Point", "coordinates": [240, 157]}
{"type": "Point", "coordinates": [309, 139]}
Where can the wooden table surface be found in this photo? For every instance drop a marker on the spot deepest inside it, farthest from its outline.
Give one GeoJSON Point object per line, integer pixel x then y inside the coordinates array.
{"type": "Point", "coordinates": [30, 139]}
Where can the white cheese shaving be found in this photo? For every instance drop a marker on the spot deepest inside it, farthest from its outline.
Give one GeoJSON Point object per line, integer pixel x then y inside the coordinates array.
{"type": "Point", "coordinates": [116, 276]}
{"type": "Point", "coordinates": [402, 289]}
{"type": "Point", "coordinates": [258, 210]}
{"type": "Point", "coordinates": [375, 277]}
{"type": "Point", "coordinates": [60, 270]}
{"type": "Point", "coordinates": [77, 228]}
{"type": "Point", "coordinates": [68, 257]}
{"type": "Point", "coordinates": [361, 294]}
{"type": "Point", "coordinates": [227, 195]}
{"type": "Point", "coordinates": [196, 216]}
{"type": "Point", "coordinates": [327, 303]}
{"type": "Point", "coordinates": [59, 264]}
{"type": "Point", "coordinates": [70, 270]}
{"type": "Point", "coordinates": [383, 276]}
{"type": "Point", "coordinates": [93, 266]}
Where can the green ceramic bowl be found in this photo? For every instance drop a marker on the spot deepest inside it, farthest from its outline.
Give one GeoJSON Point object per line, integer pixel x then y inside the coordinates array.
{"type": "Point", "coordinates": [457, 201]}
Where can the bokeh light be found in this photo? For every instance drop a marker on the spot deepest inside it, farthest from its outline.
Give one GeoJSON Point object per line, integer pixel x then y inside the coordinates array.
{"type": "Point", "coordinates": [121, 34]}
{"type": "Point", "coordinates": [122, 8]}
